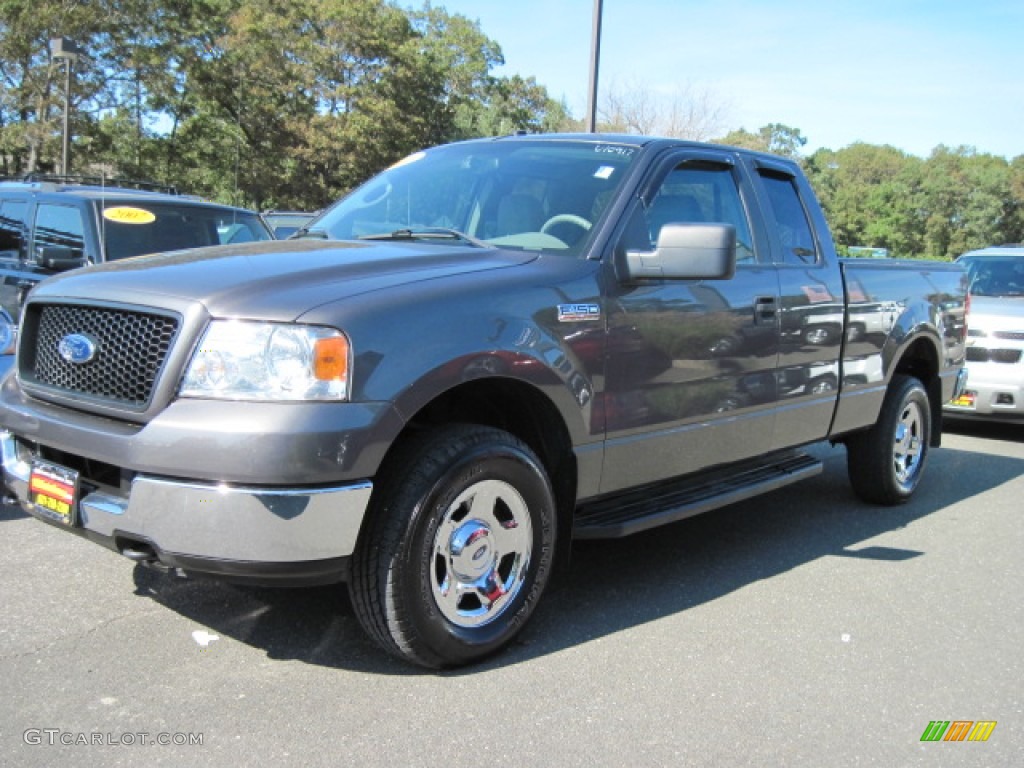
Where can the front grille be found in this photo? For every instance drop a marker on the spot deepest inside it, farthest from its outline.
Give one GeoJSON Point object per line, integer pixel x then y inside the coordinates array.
{"type": "Point", "coordinates": [130, 349]}
{"type": "Point", "coordinates": [982, 355]}
{"type": "Point", "coordinates": [1010, 335]}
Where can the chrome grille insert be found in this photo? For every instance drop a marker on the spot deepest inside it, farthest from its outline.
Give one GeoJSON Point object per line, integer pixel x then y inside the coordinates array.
{"type": "Point", "coordinates": [982, 355]}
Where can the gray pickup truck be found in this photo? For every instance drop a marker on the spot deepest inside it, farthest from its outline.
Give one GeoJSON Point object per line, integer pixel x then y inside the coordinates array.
{"type": "Point", "coordinates": [489, 350]}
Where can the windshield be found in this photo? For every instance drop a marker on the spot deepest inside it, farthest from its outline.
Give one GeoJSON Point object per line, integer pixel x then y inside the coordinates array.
{"type": "Point", "coordinates": [534, 195]}
{"type": "Point", "coordinates": [136, 228]}
{"type": "Point", "coordinates": [995, 276]}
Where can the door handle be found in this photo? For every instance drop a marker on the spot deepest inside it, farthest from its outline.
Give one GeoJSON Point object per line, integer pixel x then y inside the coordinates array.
{"type": "Point", "coordinates": [764, 309]}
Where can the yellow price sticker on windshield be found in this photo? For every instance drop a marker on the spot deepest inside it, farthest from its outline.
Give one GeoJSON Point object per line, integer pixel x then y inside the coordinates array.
{"type": "Point", "coordinates": [124, 214]}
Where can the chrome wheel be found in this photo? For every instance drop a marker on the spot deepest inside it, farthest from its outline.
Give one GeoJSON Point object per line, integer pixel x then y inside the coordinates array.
{"type": "Point", "coordinates": [481, 553]}
{"type": "Point", "coordinates": [886, 462]}
{"type": "Point", "coordinates": [909, 442]}
{"type": "Point", "coordinates": [458, 547]}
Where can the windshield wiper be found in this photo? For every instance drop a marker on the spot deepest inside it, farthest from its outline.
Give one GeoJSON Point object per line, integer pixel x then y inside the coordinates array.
{"type": "Point", "coordinates": [427, 233]}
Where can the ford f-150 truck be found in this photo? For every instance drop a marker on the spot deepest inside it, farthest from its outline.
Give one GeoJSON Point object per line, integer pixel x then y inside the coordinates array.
{"type": "Point", "coordinates": [489, 350]}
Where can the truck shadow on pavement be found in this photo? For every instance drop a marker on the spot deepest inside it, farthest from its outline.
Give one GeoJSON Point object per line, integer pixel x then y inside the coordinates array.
{"type": "Point", "coordinates": [9, 510]}
{"type": "Point", "coordinates": [991, 430]}
{"type": "Point", "coordinates": [610, 586]}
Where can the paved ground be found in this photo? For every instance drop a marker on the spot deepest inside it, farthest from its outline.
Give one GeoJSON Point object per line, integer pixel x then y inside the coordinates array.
{"type": "Point", "coordinates": [801, 628]}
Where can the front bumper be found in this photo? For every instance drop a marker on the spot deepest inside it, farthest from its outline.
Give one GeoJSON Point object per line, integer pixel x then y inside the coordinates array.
{"type": "Point", "coordinates": [261, 535]}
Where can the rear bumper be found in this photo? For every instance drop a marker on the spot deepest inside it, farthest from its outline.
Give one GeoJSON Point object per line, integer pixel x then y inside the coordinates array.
{"type": "Point", "coordinates": [275, 536]}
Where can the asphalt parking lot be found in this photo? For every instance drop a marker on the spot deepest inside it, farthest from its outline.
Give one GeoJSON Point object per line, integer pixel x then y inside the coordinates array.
{"type": "Point", "coordinates": [801, 628]}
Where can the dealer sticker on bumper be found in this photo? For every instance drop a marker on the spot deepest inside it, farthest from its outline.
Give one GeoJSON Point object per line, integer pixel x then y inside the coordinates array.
{"type": "Point", "coordinates": [53, 490]}
{"type": "Point", "coordinates": [966, 400]}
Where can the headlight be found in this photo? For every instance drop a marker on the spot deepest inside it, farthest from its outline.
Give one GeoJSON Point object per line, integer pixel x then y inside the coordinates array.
{"type": "Point", "coordinates": [239, 360]}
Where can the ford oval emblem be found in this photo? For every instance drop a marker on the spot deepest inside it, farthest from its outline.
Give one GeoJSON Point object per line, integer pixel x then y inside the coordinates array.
{"type": "Point", "coordinates": [77, 348]}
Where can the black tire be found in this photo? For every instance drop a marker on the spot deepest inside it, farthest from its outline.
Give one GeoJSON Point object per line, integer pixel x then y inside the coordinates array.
{"type": "Point", "coordinates": [457, 548]}
{"type": "Point", "coordinates": [886, 462]}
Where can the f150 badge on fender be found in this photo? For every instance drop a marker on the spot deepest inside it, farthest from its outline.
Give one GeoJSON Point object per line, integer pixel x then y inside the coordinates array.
{"type": "Point", "coordinates": [576, 313]}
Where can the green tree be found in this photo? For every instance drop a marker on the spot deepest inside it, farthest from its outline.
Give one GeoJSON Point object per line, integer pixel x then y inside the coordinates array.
{"type": "Point", "coordinates": [258, 102]}
{"type": "Point", "coordinates": [871, 195]}
{"type": "Point", "coordinates": [968, 201]}
{"type": "Point", "coordinates": [507, 105]}
{"type": "Point", "coordinates": [1015, 214]}
{"type": "Point", "coordinates": [776, 138]}
{"type": "Point", "coordinates": [32, 95]}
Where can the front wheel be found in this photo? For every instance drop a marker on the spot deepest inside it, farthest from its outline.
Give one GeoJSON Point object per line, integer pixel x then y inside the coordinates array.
{"type": "Point", "coordinates": [885, 463]}
{"type": "Point", "coordinates": [458, 546]}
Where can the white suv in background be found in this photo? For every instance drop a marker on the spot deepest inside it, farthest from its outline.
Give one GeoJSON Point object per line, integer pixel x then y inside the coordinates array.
{"type": "Point", "coordinates": [995, 331]}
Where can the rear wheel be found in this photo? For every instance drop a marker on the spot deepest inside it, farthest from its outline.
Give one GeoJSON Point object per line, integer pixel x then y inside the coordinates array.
{"type": "Point", "coordinates": [458, 546]}
{"type": "Point", "coordinates": [886, 462]}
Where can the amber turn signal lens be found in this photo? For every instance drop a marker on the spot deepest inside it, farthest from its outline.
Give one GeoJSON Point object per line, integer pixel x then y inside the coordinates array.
{"type": "Point", "coordinates": [330, 359]}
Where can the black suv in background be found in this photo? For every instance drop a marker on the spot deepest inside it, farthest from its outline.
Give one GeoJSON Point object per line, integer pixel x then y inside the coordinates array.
{"type": "Point", "coordinates": [51, 224]}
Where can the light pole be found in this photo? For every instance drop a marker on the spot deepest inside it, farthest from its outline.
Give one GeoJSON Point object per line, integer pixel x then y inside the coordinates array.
{"type": "Point", "coordinates": [68, 50]}
{"type": "Point", "coordinates": [595, 58]}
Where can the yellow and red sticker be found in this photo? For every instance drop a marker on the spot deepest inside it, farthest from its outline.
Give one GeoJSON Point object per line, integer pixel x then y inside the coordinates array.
{"type": "Point", "coordinates": [966, 400]}
{"type": "Point", "coordinates": [54, 489]}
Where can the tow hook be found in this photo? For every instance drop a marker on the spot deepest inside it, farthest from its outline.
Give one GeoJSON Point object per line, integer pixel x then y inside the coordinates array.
{"type": "Point", "coordinates": [144, 554]}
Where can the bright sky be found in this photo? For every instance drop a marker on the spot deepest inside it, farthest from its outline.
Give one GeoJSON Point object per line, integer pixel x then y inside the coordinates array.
{"type": "Point", "coordinates": [910, 73]}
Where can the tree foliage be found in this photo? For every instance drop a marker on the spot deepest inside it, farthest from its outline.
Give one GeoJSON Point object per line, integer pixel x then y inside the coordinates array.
{"type": "Point", "coordinates": [288, 105]}
{"type": "Point", "coordinates": [255, 102]}
{"type": "Point", "coordinates": [776, 138]}
{"type": "Point", "coordinates": [951, 202]}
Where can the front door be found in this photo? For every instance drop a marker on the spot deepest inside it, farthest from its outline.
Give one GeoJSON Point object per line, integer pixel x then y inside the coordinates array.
{"type": "Point", "coordinates": [690, 379]}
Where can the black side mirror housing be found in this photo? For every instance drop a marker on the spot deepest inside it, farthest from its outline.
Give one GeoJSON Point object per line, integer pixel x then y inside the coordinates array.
{"type": "Point", "coordinates": [59, 258]}
{"type": "Point", "coordinates": [687, 252]}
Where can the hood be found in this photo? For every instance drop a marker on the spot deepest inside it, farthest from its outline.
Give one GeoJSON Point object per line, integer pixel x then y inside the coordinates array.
{"type": "Point", "coordinates": [994, 307]}
{"type": "Point", "coordinates": [990, 314]}
{"type": "Point", "coordinates": [273, 280]}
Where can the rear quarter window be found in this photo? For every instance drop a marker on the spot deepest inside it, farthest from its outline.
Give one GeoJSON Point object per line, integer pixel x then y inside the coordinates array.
{"type": "Point", "coordinates": [791, 224]}
{"type": "Point", "coordinates": [12, 227]}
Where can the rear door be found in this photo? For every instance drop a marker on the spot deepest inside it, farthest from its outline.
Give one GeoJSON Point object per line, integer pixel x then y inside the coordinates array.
{"type": "Point", "coordinates": [812, 304]}
{"type": "Point", "coordinates": [691, 365]}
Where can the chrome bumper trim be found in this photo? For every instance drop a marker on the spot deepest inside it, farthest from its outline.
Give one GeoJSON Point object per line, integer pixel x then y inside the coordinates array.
{"type": "Point", "coordinates": [223, 522]}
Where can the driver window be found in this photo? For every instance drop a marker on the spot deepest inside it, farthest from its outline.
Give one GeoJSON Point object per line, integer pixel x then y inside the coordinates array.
{"type": "Point", "coordinates": [59, 225]}
{"type": "Point", "coordinates": [693, 193]}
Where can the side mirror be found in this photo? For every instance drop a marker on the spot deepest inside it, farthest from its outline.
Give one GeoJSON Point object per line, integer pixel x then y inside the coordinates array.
{"type": "Point", "coordinates": [687, 252]}
{"type": "Point", "coordinates": [59, 258]}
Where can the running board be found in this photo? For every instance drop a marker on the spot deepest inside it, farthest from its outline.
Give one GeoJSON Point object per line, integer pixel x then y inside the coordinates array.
{"type": "Point", "coordinates": [655, 505]}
